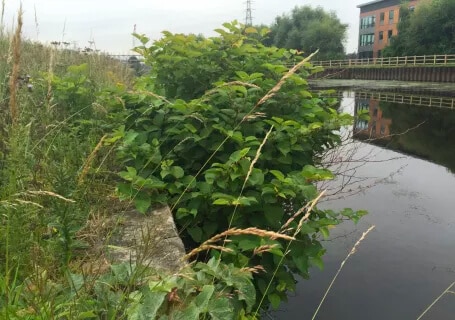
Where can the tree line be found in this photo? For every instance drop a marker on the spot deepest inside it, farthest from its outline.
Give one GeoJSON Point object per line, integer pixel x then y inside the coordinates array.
{"type": "Point", "coordinates": [429, 29]}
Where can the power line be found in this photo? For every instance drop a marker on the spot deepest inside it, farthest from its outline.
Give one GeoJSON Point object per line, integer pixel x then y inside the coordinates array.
{"type": "Point", "coordinates": [248, 15]}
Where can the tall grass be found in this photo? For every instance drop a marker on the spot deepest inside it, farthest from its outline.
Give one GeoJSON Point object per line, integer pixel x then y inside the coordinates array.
{"type": "Point", "coordinates": [47, 189]}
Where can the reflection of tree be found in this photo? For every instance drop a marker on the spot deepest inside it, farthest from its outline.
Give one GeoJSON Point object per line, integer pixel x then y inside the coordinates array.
{"type": "Point", "coordinates": [434, 139]}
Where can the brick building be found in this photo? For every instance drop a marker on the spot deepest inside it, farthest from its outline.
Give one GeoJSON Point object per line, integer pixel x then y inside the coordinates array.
{"type": "Point", "coordinates": [378, 23]}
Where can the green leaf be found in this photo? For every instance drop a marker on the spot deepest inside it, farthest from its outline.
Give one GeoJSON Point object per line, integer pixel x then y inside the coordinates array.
{"type": "Point", "coordinates": [195, 233]}
{"type": "Point", "coordinates": [250, 30]}
{"type": "Point", "coordinates": [142, 201]}
{"type": "Point", "coordinates": [203, 298]}
{"type": "Point", "coordinates": [222, 202]}
{"type": "Point", "coordinates": [147, 307]}
{"type": "Point", "coordinates": [221, 309]}
{"type": "Point", "coordinates": [256, 177]}
{"type": "Point", "coordinates": [190, 312]}
{"type": "Point", "coordinates": [274, 215]}
{"type": "Point", "coordinates": [325, 232]}
{"type": "Point", "coordinates": [277, 174]}
{"type": "Point", "coordinates": [274, 299]}
{"type": "Point", "coordinates": [177, 172]}
{"type": "Point", "coordinates": [236, 156]}
{"type": "Point", "coordinates": [130, 137]}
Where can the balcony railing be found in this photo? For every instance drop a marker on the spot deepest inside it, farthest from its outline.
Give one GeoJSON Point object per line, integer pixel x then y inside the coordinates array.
{"type": "Point", "coordinates": [406, 61]}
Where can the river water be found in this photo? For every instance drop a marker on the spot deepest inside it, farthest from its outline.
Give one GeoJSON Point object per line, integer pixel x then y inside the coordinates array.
{"type": "Point", "coordinates": [403, 164]}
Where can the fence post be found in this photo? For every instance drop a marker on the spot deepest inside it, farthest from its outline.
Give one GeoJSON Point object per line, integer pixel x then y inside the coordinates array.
{"type": "Point", "coordinates": [434, 59]}
{"type": "Point", "coordinates": [406, 60]}
{"type": "Point", "coordinates": [424, 59]}
{"type": "Point", "coordinates": [445, 59]}
{"type": "Point", "coordinates": [414, 60]}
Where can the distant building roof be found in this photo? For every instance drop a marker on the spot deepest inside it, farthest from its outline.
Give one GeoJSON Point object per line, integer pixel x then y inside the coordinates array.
{"type": "Point", "coordinates": [368, 3]}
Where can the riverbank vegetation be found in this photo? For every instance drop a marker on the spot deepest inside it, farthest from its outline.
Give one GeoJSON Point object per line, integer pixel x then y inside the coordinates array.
{"type": "Point", "coordinates": [221, 130]}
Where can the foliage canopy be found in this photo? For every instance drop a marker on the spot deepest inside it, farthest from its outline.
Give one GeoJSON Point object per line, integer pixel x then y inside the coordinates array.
{"type": "Point", "coordinates": [212, 134]}
{"type": "Point", "coordinates": [430, 29]}
{"type": "Point", "coordinates": [308, 29]}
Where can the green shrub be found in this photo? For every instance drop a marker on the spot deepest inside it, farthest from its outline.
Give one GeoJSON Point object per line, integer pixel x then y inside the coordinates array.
{"type": "Point", "coordinates": [200, 151]}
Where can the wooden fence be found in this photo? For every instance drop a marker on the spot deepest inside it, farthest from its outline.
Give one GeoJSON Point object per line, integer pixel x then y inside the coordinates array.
{"type": "Point", "coordinates": [406, 61]}
{"type": "Point", "coordinates": [427, 101]}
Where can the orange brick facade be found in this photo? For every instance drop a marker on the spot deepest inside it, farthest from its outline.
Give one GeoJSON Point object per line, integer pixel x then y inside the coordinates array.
{"type": "Point", "coordinates": [386, 15]}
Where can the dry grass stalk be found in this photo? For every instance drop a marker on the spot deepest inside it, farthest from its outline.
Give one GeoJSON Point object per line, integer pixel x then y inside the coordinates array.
{"type": "Point", "coordinates": [280, 83]}
{"type": "Point", "coordinates": [89, 160]}
{"type": "Point", "coordinates": [262, 249]}
{"type": "Point", "coordinates": [232, 83]}
{"type": "Point", "coordinates": [50, 75]}
{"type": "Point", "coordinates": [47, 193]}
{"type": "Point", "coordinates": [236, 232]}
{"type": "Point", "coordinates": [353, 251]}
{"type": "Point", "coordinates": [309, 210]}
{"type": "Point", "coordinates": [256, 269]}
{"type": "Point", "coordinates": [16, 55]}
{"type": "Point", "coordinates": [308, 207]}
{"type": "Point", "coordinates": [437, 299]}
{"type": "Point", "coordinates": [256, 157]}
{"type": "Point", "coordinates": [2, 25]}
{"type": "Point", "coordinates": [36, 22]}
{"type": "Point", "coordinates": [151, 94]}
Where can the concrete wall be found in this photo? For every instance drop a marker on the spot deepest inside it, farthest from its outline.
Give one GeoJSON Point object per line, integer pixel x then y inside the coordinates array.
{"type": "Point", "coordinates": [425, 74]}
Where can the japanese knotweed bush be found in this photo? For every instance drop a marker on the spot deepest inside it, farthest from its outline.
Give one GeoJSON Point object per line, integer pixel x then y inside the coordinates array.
{"type": "Point", "coordinates": [229, 137]}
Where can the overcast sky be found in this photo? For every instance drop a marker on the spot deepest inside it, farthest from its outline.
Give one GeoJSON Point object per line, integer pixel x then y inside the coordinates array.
{"type": "Point", "coordinates": [110, 22]}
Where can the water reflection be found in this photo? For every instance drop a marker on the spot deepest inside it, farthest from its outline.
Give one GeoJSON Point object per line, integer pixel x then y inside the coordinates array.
{"type": "Point", "coordinates": [418, 130]}
{"type": "Point", "coordinates": [409, 259]}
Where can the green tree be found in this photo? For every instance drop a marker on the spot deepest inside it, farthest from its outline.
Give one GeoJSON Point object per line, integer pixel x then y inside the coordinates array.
{"type": "Point", "coordinates": [430, 29]}
{"type": "Point", "coordinates": [308, 29]}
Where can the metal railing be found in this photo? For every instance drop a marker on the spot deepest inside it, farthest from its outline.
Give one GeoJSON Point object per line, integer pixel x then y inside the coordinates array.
{"type": "Point", "coordinates": [406, 61]}
{"type": "Point", "coordinates": [416, 100]}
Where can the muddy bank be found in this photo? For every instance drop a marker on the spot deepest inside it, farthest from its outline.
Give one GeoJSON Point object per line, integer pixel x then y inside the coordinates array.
{"type": "Point", "coordinates": [445, 89]}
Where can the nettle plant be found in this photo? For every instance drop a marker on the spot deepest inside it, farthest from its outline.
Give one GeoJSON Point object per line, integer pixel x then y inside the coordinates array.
{"type": "Point", "coordinates": [224, 134]}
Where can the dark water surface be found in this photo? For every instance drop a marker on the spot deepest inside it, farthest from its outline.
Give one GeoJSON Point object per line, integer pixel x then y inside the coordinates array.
{"type": "Point", "coordinates": [408, 260]}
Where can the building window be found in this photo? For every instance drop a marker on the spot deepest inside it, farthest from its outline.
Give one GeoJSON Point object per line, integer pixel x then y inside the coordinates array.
{"type": "Point", "coordinates": [381, 18]}
{"type": "Point", "coordinates": [381, 36]}
{"type": "Point", "coordinates": [366, 55]}
{"type": "Point", "coordinates": [391, 16]}
{"type": "Point", "coordinates": [366, 39]}
{"type": "Point", "coordinates": [389, 35]}
{"type": "Point", "coordinates": [367, 22]}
